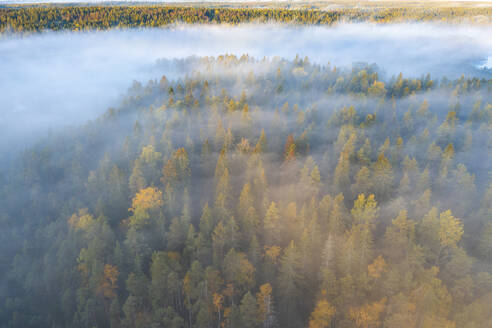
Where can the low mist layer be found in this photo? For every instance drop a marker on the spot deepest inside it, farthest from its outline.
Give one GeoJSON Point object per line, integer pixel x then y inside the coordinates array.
{"type": "Point", "coordinates": [55, 79]}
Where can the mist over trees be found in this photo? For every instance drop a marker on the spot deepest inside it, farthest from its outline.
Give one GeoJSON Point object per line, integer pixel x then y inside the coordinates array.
{"type": "Point", "coordinates": [55, 80]}
{"type": "Point", "coordinates": [258, 193]}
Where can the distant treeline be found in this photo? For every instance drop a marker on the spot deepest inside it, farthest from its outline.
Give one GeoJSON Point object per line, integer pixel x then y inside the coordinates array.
{"type": "Point", "coordinates": [31, 19]}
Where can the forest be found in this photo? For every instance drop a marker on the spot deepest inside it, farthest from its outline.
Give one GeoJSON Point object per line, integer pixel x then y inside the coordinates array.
{"type": "Point", "coordinates": [29, 19]}
{"type": "Point", "coordinates": [246, 192]}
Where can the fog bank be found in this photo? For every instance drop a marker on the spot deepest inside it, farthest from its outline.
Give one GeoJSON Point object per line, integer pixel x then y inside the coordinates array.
{"type": "Point", "coordinates": [57, 79]}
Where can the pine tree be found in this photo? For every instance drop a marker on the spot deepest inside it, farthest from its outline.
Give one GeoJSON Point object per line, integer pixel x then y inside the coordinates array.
{"type": "Point", "coordinates": [248, 311]}
{"type": "Point", "coordinates": [271, 225]}
{"type": "Point", "coordinates": [363, 182]}
{"type": "Point", "coordinates": [383, 177]}
{"type": "Point", "coordinates": [262, 144]}
{"type": "Point", "coordinates": [288, 286]}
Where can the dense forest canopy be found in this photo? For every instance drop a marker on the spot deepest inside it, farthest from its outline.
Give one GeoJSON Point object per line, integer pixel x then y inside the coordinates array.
{"type": "Point", "coordinates": [38, 18]}
{"type": "Point", "coordinates": [258, 193]}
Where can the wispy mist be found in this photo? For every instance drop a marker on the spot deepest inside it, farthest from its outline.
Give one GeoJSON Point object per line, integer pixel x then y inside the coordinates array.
{"type": "Point", "coordinates": [54, 79]}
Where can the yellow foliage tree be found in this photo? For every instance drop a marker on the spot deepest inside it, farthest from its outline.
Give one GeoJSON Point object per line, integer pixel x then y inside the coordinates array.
{"type": "Point", "coordinates": [322, 315]}
{"type": "Point", "coordinates": [272, 253]}
{"type": "Point", "coordinates": [217, 300]}
{"type": "Point", "coordinates": [264, 301]}
{"type": "Point", "coordinates": [367, 316]}
{"type": "Point", "coordinates": [81, 220]}
{"type": "Point", "coordinates": [451, 229]}
{"type": "Point", "coordinates": [145, 199]}
{"type": "Point", "coordinates": [377, 268]}
{"type": "Point", "coordinates": [377, 89]}
{"type": "Point", "coordinates": [365, 210]}
{"type": "Point", "coordinates": [107, 285]}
